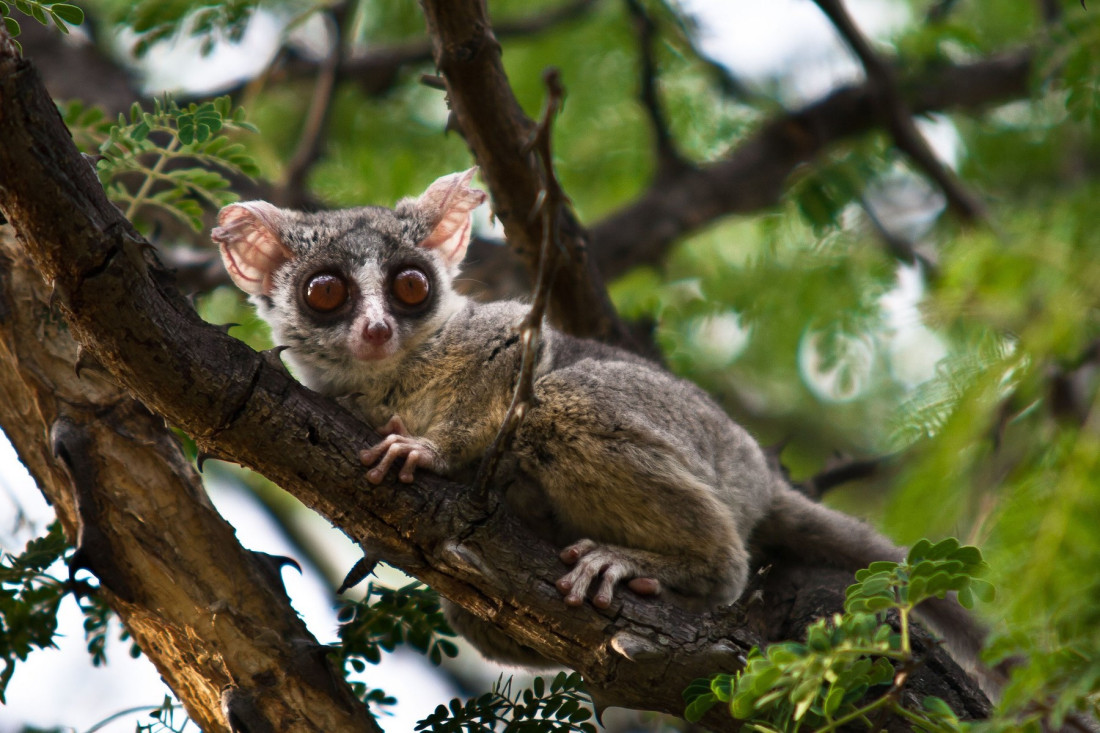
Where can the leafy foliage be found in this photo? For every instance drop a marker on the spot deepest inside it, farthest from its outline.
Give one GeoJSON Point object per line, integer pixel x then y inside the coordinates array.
{"type": "Point", "coordinates": [29, 599]}
{"type": "Point", "coordinates": [929, 571]}
{"type": "Point", "coordinates": [156, 21]}
{"type": "Point", "coordinates": [839, 674]}
{"type": "Point", "coordinates": [97, 622]}
{"type": "Point", "coordinates": [387, 618]}
{"type": "Point", "coordinates": [560, 706]}
{"type": "Point", "coordinates": [167, 158]}
{"type": "Point", "coordinates": [62, 14]}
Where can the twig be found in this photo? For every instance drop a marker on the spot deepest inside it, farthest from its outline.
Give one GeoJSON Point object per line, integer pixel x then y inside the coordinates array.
{"type": "Point", "coordinates": [496, 128]}
{"type": "Point", "coordinates": [687, 25]}
{"type": "Point", "coordinates": [669, 158]}
{"type": "Point", "coordinates": [900, 247]}
{"type": "Point", "coordinates": [832, 476]}
{"type": "Point", "coordinates": [549, 204]}
{"type": "Point", "coordinates": [898, 117]}
{"type": "Point", "coordinates": [292, 191]}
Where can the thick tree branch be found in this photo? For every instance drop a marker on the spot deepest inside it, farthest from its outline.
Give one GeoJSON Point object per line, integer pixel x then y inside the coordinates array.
{"type": "Point", "coordinates": [137, 510]}
{"type": "Point", "coordinates": [499, 133]}
{"type": "Point", "coordinates": [120, 304]}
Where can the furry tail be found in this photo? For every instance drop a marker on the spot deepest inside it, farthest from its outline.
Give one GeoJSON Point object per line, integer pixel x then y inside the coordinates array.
{"type": "Point", "coordinates": [810, 533]}
{"type": "Point", "coordinates": [799, 528]}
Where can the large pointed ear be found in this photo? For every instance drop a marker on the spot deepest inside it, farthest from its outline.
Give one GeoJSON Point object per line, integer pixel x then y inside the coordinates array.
{"type": "Point", "coordinates": [446, 206]}
{"type": "Point", "coordinates": [248, 236]}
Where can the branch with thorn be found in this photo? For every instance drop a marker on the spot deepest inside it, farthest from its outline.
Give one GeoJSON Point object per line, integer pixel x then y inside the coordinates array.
{"type": "Point", "coordinates": [548, 206]}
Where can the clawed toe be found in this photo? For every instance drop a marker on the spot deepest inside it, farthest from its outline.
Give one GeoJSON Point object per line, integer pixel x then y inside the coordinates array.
{"type": "Point", "coordinates": [609, 566]}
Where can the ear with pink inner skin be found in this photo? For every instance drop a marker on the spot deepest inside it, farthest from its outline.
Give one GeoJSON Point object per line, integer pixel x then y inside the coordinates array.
{"type": "Point", "coordinates": [447, 205]}
{"type": "Point", "coordinates": [247, 234]}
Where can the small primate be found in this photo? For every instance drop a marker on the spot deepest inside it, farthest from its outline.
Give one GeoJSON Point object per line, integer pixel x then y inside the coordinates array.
{"type": "Point", "coordinates": [643, 479]}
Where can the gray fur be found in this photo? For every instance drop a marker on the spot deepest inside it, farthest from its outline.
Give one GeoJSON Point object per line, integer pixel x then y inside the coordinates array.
{"type": "Point", "coordinates": [640, 474]}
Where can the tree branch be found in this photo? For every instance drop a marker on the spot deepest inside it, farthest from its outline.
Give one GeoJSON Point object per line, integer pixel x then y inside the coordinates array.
{"type": "Point", "coordinates": [669, 159]}
{"type": "Point", "coordinates": [552, 199]}
{"type": "Point", "coordinates": [292, 193]}
{"type": "Point", "coordinates": [497, 132]}
{"type": "Point", "coordinates": [754, 175]}
{"type": "Point", "coordinates": [899, 119]}
{"type": "Point", "coordinates": [120, 304]}
{"type": "Point", "coordinates": [139, 516]}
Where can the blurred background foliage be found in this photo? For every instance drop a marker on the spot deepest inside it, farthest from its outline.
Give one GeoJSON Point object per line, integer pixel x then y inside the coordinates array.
{"type": "Point", "coordinates": [966, 372]}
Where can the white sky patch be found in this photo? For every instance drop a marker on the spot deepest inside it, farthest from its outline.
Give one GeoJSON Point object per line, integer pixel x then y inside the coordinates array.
{"type": "Point", "coordinates": [843, 375]}
{"type": "Point", "coordinates": [719, 338]}
{"type": "Point", "coordinates": [789, 38]}
{"type": "Point", "coordinates": [912, 349]}
{"type": "Point", "coordinates": [24, 513]}
{"type": "Point", "coordinates": [178, 64]}
{"type": "Point", "coordinates": [942, 137]}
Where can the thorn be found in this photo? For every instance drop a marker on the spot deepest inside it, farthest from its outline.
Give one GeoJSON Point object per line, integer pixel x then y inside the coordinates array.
{"type": "Point", "coordinates": [363, 567]}
{"type": "Point", "coordinates": [452, 124]}
{"type": "Point", "coordinates": [273, 357]}
{"type": "Point", "coordinates": [79, 561]}
{"type": "Point", "coordinates": [433, 81]}
{"type": "Point", "coordinates": [224, 327]}
{"type": "Point", "coordinates": [92, 160]}
{"type": "Point", "coordinates": [83, 360]}
{"type": "Point", "coordinates": [599, 704]}
{"type": "Point", "coordinates": [635, 648]}
{"type": "Point", "coordinates": [272, 567]}
{"type": "Point", "coordinates": [202, 457]}
{"type": "Point", "coordinates": [461, 556]}
{"type": "Point", "coordinates": [57, 298]}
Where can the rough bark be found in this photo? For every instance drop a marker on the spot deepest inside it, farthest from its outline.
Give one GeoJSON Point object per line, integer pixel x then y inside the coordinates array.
{"type": "Point", "coordinates": [122, 307]}
{"type": "Point", "coordinates": [211, 616]}
{"type": "Point", "coordinates": [500, 134]}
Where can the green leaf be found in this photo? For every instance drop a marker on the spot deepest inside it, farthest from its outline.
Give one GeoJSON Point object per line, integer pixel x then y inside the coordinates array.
{"type": "Point", "coordinates": [983, 590]}
{"type": "Point", "coordinates": [833, 700]}
{"type": "Point", "coordinates": [918, 551]}
{"type": "Point", "coordinates": [742, 705]}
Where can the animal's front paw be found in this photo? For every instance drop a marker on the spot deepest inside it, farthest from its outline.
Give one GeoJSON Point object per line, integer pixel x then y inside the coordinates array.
{"type": "Point", "coordinates": [399, 444]}
{"type": "Point", "coordinates": [610, 565]}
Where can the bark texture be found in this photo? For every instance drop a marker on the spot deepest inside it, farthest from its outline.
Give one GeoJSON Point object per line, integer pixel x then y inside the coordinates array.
{"type": "Point", "coordinates": [212, 616]}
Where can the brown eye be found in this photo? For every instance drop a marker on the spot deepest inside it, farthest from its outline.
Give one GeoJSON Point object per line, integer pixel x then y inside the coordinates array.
{"type": "Point", "coordinates": [411, 287]}
{"type": "Point", "coordinates": [326, 292]}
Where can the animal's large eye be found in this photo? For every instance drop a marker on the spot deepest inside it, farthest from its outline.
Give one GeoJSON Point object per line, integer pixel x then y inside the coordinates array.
{"type": "Point", "coordinates": [326, 291]}
{"type": "Point", "coordinates": [411, 286]}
